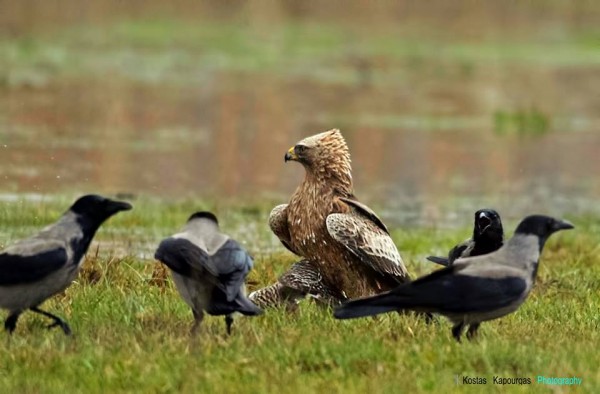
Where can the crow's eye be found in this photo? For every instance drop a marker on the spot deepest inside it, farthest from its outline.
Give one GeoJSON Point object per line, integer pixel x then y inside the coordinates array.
{"type": "Point", "coordinates": [300, 149]}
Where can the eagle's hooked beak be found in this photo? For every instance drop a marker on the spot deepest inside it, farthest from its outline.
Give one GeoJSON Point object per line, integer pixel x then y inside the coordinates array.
{"type": "Point", "coordinates": [290, 155]}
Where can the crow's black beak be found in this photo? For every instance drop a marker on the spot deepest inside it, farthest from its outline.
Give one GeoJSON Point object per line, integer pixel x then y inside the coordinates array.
{"type": "Point", "coordinates": [562, 225]}
{"type": "Point", "coordinates": [483, 222]}
{"type": "Point", "coordinates": [119, 206]}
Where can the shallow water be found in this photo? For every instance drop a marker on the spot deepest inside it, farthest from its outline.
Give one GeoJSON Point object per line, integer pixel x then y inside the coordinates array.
{"type": "Point", "coordinates": [442, 117]}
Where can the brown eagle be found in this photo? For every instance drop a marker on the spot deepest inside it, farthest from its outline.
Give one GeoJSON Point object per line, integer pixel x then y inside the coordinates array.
{"type": "Point", "coordinates": [348, 246]}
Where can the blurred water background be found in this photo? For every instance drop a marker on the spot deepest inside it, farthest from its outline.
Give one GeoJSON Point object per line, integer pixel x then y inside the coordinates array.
{"type": "Point", "coordinates": [447, 106]}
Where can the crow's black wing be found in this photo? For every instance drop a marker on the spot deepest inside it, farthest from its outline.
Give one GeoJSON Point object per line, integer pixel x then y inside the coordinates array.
{"type": "Point", "coordinates": [17, 269]}
{"type": "Point", "coordinates": [184, 257]}
{"type": "Point", "coordinates": [447, 291]}
{"type": "Point", "coordinates": [232, 263]}
{"type": "Point", "coordinates": [461, 250]}
{"type": "Point", "coordinates": [443, 291]}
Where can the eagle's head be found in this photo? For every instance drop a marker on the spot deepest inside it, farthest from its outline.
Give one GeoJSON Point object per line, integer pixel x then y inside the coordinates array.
{"type": "Point", "coordinates": [324, 155]}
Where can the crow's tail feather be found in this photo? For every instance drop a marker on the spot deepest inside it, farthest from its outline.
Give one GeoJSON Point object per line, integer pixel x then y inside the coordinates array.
{"type": "Point", "coordinates": [439, 260]}
{"type": "Point", "coordinates": [381, 303]}
{"type": "Point", "coordinates": [247, 307]}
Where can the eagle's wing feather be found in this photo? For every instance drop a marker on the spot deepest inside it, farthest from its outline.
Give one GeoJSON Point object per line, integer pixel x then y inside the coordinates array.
{"type": "Point", "coordinates": [368, 241]}
{"type": "Point", "coordinates": [301, 276]}
{"type": "Point", "coordinates": [279, 225]}
{"type": "Point", "coordinates": [366, 211]}
{"type": "Point", "coordinates": [305, 276]}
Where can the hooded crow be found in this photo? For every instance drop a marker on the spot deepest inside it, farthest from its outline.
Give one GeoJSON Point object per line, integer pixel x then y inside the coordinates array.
{"type": "Point", "coordinates": [209, 269]}
{"type": "Point", "coordinates": [36, 268]}
{"type": "Point", "coordinates": [488, 236]}
{"type": "Point", "coordinates": [473, 289]}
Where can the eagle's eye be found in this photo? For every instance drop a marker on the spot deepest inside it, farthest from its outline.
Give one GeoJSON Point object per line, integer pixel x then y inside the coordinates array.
{"type": "Point", "coordinates": [300, 149]}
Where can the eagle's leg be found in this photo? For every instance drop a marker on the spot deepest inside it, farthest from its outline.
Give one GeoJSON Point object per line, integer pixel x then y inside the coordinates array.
{"type": "Point", "coordinates": [11, 321]}
{"type": "Point", "coordinates": [457, 331]}
{"type": "Point", "coordinates": [228, 323]}
{"type": "Point", "coordinates": [58, 322]}
{"type": "Point", "coordinates": [198, 316]}
{"type": "Point", "coordinates": [472, 331]}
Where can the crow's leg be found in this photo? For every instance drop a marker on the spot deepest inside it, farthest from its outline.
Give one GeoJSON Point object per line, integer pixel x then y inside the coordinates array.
{"type": "Point", "coordinates": [472, 331]}
{"type": "Point", "coordinates": [11, 321]}
{"type": "Point", "coordinates": [58, 322]}
{"type": "Point", "coordinates": [457, 331]}
{"type": "Point", "coordinates": [228, 323]}
{"type": "Point", "coordinates": [198, 316]}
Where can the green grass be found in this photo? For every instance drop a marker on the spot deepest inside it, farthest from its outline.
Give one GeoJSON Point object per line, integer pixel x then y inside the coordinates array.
{"type": "Point", "coordinates": [131, 327]}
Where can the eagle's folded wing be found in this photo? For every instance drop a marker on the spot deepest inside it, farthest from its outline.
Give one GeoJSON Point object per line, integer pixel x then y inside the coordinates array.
{"type": "Point", "coordinates": [366, 239]}
{"type": "Point", "coordinates": [364, 211]}
{"type": "Point", "coordinates": [305, 276]}
{"type": "Point", "coordinates": [279, 225]}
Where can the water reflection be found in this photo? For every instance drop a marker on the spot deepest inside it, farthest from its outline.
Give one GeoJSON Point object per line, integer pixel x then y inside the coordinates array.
{"type": "Point", "coordinates": [184, 118]}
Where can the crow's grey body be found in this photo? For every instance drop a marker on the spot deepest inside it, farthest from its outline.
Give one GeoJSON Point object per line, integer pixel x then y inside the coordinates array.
{"type": "Point", "coordinates": [36, 268]}
{"type": "Point", "coordinates": [208, 268]}
{"type": "Point", "coordinates": [473, 289]}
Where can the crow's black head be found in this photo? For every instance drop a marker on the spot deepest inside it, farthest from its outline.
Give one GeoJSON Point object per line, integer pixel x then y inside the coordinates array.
{"type": "Point", "coordinates": [487, 224]}
{"type": "Point", "coordinates": [541, 226]}
{"type": "Point", "coordinates": [204, 215]}
{"type": "Point", "coordinates": [97, 208]}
